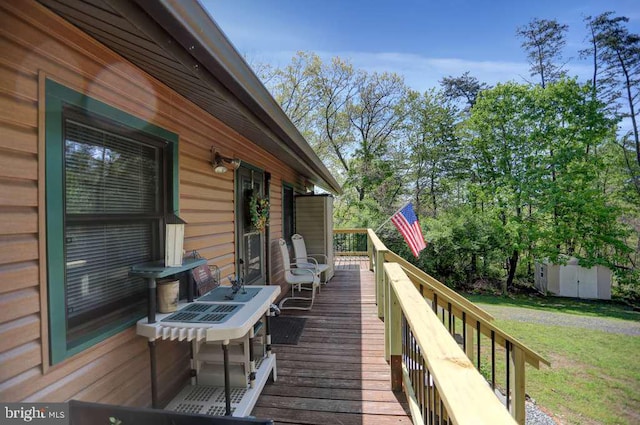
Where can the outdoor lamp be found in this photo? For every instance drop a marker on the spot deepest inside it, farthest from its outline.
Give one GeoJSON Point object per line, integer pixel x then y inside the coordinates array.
{"type": "Point", "coordinates": [218, 162]}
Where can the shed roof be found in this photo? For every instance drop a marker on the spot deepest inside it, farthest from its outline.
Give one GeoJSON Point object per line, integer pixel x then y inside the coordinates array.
{"type": "Point", "coordinates": [178, 43]}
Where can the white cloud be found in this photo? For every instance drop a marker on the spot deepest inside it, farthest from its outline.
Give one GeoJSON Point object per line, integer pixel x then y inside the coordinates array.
{"type": "Point", "coordinates": [420, 72]}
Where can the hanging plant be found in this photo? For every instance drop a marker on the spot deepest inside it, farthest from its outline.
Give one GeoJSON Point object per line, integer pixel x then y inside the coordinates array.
{"type": "Point", "coordinates": [259, 212]}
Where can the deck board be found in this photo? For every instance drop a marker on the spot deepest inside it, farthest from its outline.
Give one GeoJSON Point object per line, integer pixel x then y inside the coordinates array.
{"type": "Point", "coordinates": [337, 372]}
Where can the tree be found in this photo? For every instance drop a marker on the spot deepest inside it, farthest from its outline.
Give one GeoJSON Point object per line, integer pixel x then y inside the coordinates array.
{"type": "Point", "coordinates": [499, 128]}
{"type": "Point", "coordinates": [616, 53]}
{"type": "Point", "coordinates": [512, 129]}
{"type": "Point", "coordinates": [543, 40]}
{"type": "Point", "coordinates": [463, 87]}
{"type": "Point", "coordinates": [336, 84]}
{"type": "Point", "coordinates": [431, 148]}
{"type": "Point", "coordinates": [376, 116]}
{"type": "Point", "coordinates": [585, 222]}
{"type": "Point", "coordinates": [294, 87]}
{"type": "Point", "coordinates": [352, 119]}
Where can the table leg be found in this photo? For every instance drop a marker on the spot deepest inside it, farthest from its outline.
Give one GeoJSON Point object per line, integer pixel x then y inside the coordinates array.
{"type": "Point", "coordinates": [154, 374]}
{"type": "Point", "coordinates": [267, 333]}
{"type": "Point", "coordinates": [252, 359]}
{"type": "Point", "coordinates": [151, 313]}
{"type": "Point", "coordinates": [227, 380]}
{"type": "Point", "coordinates": [190, 286]}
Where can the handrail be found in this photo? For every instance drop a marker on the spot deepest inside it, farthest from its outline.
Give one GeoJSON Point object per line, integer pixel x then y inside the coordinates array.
{"type": "Point", "coordinates": [453, 308]}
{"type": "Point", "coordinates": [375, 240]}
{"type": "Point", "coordinates": [435, 366]}
{"type": "Point", "coordinates": [474, 313]}
{"type": "Point", "coordinates": [430, 282]}
{"type": "Point", "coordinates": [351, 230]}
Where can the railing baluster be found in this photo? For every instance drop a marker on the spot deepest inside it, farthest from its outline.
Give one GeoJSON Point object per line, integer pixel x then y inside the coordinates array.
{"type": "Point", "coordinates": [454, 326]}
{"type": "Point", "coordinates": [507, 346]}
{"type": "Point", "coordinates": [436, 403]}
{"type": "Point", "coordinates": [464, 331]}
{"type": "Point", "coordinates": [479, 335]}
{"type": "Point", "coordinates": [450, 316]}
{"type": "Point", "coordinates": [414, 382]}
{"type": "Point", "coordinates": [493, 360]}
{"type": "Point", "coordinates": [420, 395]}
{"type": "Point", "coordinates": [425, 392]}
{"type": "Point", "coordinates": [412, 358]}
{"type": "Point", "coordinates": [434, 304]}
{"type": "Point", "coordinates": [429, 412]}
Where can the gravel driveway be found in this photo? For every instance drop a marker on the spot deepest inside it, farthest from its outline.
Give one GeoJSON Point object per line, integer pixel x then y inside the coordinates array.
{"type": "Point", "coordinates": [614, 326]}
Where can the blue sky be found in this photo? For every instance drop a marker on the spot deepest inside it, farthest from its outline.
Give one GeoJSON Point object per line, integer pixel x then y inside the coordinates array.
{"type": "Point", "coordinates": [420, 40]}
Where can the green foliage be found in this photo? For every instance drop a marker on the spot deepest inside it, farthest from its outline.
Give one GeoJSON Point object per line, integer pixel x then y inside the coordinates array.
{"type": "Point", "coordinates": [534, 167]}
{"type": "Point", "coordinates": [258, 212]}
{"type": "Point", "coordinates": [500, 177]}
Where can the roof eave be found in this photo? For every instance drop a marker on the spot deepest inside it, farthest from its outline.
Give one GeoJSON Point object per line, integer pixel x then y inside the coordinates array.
{"type": "Point", "coordinates": [204, 40]}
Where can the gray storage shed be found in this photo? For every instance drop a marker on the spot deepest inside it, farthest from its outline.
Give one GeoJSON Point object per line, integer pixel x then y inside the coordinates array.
{"type": "Point", "coordinates": [573, 280]}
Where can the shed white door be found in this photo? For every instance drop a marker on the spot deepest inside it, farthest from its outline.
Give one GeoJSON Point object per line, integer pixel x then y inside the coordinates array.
{"type": "Point", "coordinates": [587, 282]}
{"type": "Point", "coordinates": [569, 281]}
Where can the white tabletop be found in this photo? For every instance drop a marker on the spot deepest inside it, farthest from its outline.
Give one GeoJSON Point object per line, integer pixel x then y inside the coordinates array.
{"type": "Point", "coordinates": [235, 327]}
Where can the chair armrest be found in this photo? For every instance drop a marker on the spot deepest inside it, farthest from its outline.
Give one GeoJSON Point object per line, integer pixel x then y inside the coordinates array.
{"type": "Point", "coordinates": [313, 261]}
{"type": "Point", "coordinates": [313, 270]}
{"type": "Point", "coordinates": [326, 259]}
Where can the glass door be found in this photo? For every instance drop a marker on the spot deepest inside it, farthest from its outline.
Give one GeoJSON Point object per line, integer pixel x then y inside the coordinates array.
{"type": "Point", "coordinates": [250, 250]}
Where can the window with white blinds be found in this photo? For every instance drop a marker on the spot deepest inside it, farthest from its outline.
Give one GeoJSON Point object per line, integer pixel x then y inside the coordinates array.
{"type": "Point", "coordinates": [106, 173]}
{"type": "Point", "coordinates": [113, 208]}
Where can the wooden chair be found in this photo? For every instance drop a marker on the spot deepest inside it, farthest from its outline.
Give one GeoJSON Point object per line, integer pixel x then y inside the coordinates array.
{"type": "Point", "coordinates": [300, 278]}
{"type": "Point", "coordinates": [304, 260]}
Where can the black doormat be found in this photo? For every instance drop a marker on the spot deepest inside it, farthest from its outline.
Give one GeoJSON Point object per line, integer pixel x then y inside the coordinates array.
{"type": "Point", "coordinates": [286, 330]}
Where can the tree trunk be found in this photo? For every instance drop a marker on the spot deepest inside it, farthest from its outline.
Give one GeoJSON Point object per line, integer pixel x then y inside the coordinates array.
{"type": "Point", "coordinates": [513, 262]}
{"type": "Point", "coordinates": [474, 267]}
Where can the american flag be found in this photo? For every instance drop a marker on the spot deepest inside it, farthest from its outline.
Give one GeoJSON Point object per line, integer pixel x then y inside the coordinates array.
{"type": "Point", "coordinates": [406, 222]}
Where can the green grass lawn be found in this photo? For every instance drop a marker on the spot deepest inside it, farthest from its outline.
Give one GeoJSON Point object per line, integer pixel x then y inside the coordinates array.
{"type": "Point", "coordinates": [594, 376]}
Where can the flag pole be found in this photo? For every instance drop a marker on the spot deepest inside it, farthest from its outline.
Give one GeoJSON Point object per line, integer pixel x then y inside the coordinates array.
{"type": "Point", "coordinates": [391, 216]}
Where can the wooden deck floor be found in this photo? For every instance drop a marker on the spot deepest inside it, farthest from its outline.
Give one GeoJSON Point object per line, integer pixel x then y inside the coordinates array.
{"type": "Point", "coordinates": [337, 373]}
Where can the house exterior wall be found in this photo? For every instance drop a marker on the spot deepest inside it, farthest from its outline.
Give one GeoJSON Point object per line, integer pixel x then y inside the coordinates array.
{"type": "Point", "coordinates": [37, 45]}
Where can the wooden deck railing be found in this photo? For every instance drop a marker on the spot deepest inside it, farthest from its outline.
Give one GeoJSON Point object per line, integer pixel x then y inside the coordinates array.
{"type": "Point", "coordinates": [440, 376]}
{"type": "Point", "coordinates": [350, 242]}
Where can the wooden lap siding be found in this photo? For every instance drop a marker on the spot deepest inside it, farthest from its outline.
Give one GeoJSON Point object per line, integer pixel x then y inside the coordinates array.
{"type": "Point", "coordinates": [35, 43]}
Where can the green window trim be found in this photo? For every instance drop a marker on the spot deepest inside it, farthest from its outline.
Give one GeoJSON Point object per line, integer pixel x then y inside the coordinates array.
{"type": "Point", "coordinates": [56, 97]}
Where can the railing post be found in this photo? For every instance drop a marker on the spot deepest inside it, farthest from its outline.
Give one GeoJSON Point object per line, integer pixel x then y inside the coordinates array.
{"type": "Point", "coordinates": [518, 385]}
{"type": "Point", "coordinates": [370, 252]}
{"type": "Point", "coordinates": [387, 319]}
{"type": "Point", "coordinates": [468, 340]}
{"type": "Point", "coordinates": [393, 323]}
{"type": "Point", "coordinates": [380, 283]}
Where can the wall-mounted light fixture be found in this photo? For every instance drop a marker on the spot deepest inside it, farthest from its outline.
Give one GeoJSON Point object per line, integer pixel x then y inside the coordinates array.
{"type": "Point", "coordinates": [218, 162]}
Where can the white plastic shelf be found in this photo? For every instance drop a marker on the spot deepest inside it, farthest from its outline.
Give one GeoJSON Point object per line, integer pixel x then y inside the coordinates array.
{"type": "Point", "coordinates": [209, 400]}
